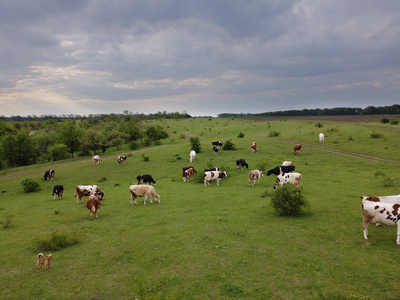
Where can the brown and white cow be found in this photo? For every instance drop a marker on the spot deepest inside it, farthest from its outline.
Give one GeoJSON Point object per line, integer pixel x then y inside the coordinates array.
{"type": "Point", "coordinates": [288, 178]}
{"type": "Point", "coordinates": [254, 147]}
{"type": "Point", "coordinates": [188, 173]}
{"type": "Point", "coordinates": [122, 160]}
{"type": "Point", "coordinates": [255, 175]}
{"type": "Point", "coordinates": [87, 190]}
{"type": "Point", "coordinates": [214, 175]}
{"type": "Point", "coordinates": [382, 213]}
{"type": "Point", "coordinates": [146, 191]}
{"type": "Point", "coordinates": [93, 204]}
{"type": "Point", "coordinates": [96, 160]}
{"type": "Point", "coordinates": [297, 149]}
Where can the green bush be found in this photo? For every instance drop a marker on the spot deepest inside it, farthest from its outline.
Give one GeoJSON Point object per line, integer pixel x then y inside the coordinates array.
{"type": "Point", "coordinates": [273, 133]}
{"type": "Point", "coordinates": [394, 122]}
{"type": "Point", "coordinates": [240, 135]}
{"type": "Point", "coordinates": [228, 145]}
{"type": "Point", "coordinates": [54, 241]}
{"type": "Point", "coordinates": [318, 125]}
{"type": "Point", "coordinates": [288, 200]}
{"type": "Point", "coordinates": [195, 144]}
{"type": "Point", "coordinates": [376, 135]}
{"type": "Point", "coordinates": [385, 120]}
{"type": "Point", "coordinates": [30, 185]}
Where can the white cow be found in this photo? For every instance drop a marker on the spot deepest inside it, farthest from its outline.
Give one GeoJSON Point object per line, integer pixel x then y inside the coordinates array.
{"type": "Point", "coordinates": [321, 138]}
{"type": "Point", "coordinates": [255, 175]}
{"type": "Point", "coordinates": [289, 178]}
{"type": "Point", "coordinates": [143, 191]}
{"type": "Point", "coordinates": [192, 155]}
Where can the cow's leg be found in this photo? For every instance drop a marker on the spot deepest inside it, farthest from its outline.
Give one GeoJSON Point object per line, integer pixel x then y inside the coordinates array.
{"type": "Point", "coordinates": [145, 198]}
{"type": "Point", "coordinates": [151, 201]}
{"type": "Point", "coordinates": [398, 233]}
{"type": "Point", "coordinates": [365, 228]}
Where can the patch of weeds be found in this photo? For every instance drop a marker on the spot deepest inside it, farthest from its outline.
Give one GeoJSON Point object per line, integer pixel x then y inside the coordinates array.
{"type": "Point", "coordinates": [318, 125]}
{"type": "Point", "coordinates": [240, 135]}
{"type": "Point", "coordinates": [57, 211]}
{"type": "Point", "coordinates": [273, 134]}
{"type": "Point", "coordinates": [145, 158]}
{"type": "Point", "coordinates": [102, 179]}
{"type": "Point", "coordinates": [394, 122]}
{"type": "Point", "coordinates": [350, 138]}
{"type": "Point", "coordinates": [384, 120]}
{"type": "Point", "coordinates": [55, 240]}
{"type": "Point", "coordinates": [332, 129]}
{"type": "Point", "coordinates": [6, 223]}
{"type": "Point", "coordinates": [175, 158]}
{"type": "Point", "coordinates": [262, 166]}
{"type": "Point", "coordinates": [117, 184]}
{"type": "Point", "coordinates": [385, 180]}
{"type": "Point", "coordinates": [375, 135]}
{"type": "Point", "coordinates": [231, 290]}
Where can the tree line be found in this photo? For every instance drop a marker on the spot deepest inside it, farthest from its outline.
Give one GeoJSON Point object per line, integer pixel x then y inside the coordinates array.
{"type": "Point", "coordinates": [33, 141]}
{"type": "Point", "coordinates": [338, 111]}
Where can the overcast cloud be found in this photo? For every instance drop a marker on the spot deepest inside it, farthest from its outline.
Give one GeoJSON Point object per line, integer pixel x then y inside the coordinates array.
{"type": "Point", "coordinates": [204, 57]}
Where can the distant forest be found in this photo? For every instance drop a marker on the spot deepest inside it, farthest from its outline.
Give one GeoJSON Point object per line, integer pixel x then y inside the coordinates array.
{"type": "Point", "coordinates": [338, 111]}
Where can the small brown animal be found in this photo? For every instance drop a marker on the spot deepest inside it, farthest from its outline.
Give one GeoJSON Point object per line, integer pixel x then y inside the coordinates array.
{"type": "Point", "coordinates": [42, 260]}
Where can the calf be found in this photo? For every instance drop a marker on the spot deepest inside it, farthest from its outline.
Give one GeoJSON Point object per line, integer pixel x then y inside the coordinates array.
{"type": "Point", "coordinates": [217, 143]}
{"type": "Point", "coordinates": [254, 147]}
{"type": "Point", "coordinates": [321, 138]}
{"type": "Point", "coordinates": [58, 191]}
{"type": "Point", "coordinates": [96, 160]}
{"type": "Point", "coordinates": [143, 191]}
{"type": "Point", "coordinates": [240, 163]}
{"type": "Point", "coordinates": [93, 204]}
{"type": "Point", "coordinates": [213, 175]}
{"type": "Point", "coordinates": [296, 149]}
{"type": "Point", "coordinates": [188, 174]}
{"type": "Point", "coordinates": [48, 175]}
{"type": "Point", "coordinates": [86, 190]}
{"type": "Point", "coordinates": [122, 160]}
{"type": "Point", "coordinates": [255, 175]}
{"type": "Point", "coordinates": [145, 179]}
{"type": "Point", "coordinates": [192, 155]}
{"type": "Point", "coordinates": [288, 178]}
{"type": "Point", "coordinates": [216, 150]}
{"type": "Point", "coordinates": [281, 170]}
{"type": "Point", "coordinates": [380, 212]}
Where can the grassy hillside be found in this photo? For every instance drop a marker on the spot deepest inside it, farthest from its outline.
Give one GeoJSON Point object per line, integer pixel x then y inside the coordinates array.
{"type": "Point", "coordinates": [209, 242]}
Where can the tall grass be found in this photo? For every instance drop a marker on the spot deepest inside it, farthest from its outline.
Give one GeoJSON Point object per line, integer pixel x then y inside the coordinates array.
{"type": "Point", "coordinates": [207, 242]}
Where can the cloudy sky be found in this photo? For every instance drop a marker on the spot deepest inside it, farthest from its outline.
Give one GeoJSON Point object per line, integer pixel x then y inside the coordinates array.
{"type": "Point", "coordinates": [204, 57]}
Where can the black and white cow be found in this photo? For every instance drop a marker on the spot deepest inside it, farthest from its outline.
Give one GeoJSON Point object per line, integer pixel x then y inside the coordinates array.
{"type": "Point", "coordinates": [122, 160]}
{"type": "Point", "coordinates": [280, 170]}
{"type": "Point", "coordinates": [48, 175]}
{"type": "Point", "coordinates": [217, 144]}
{"type": "Point", "coordinates": [58, 191]}
{"type": "Point", "coordinates": [216, 150]}
{"type": "Point", "coordinates": [240, 163]}
{"type": "Point", "coordinates": [146, 179]}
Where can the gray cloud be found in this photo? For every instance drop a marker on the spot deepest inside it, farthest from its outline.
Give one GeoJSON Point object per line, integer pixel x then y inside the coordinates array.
{"type": "Point", "coordinates": [203, 57]}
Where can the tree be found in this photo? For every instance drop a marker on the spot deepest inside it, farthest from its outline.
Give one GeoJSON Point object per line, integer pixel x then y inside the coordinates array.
{"type": "Point", "coordinates": [156, 133]}
{"type": "Point", "coordinates": [18, 150]}
{"type": "Point", "coordinates": [195, 143]}
{"type": "Point", "coordinates": [70, 135]}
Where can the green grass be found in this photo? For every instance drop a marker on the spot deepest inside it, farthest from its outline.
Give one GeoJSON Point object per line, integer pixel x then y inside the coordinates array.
{"type": "Point", "coordinates": [201, 242]}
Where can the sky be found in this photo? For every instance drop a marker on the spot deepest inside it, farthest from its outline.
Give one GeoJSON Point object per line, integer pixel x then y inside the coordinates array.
{"type": "Point", "coordinates": [202, 57]}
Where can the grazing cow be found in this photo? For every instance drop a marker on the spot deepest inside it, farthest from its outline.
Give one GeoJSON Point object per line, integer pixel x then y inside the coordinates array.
{"type": "Point", "coordinates": [188, 173]}
{"type": "Point", "coordinates": [255, 175]}
{"type": "Point", "coordinates": [380, 212]}
{"type": "Point", "coordinates": [96, 160]}
{"type": "Point", "coordinates": [87, 190]}
{"type": "Point", "coordinates": [214, 175]}
{"type": "Point", "coordinates": [216, 150]}
{"type": "Point", "coordinates": [240, 163]}
{"type": "Point", "coordinates": [122, 160]}
{"type": "Point", "coordinates": [143, 191]}
{"type": "Point", "coordinates": [287, 163]}
{"type": "Point", "coordinates": [288, 178]}
{"type": "Point", "coordinates": [58, 191]}
{"type": "Point", "coordinates": [296, 149]}
{"type": "Point", "coordinates": [145, 179]}
{"type": "Point", "coordinates": [281, 170]}
{"type": "Point", "coordinates": [217, 144]}
{"type": "Point", "coordinates": [93, 204]}
{"type": "Point", "coordinates": [321, 138]}
{"type": "Point", "coordinates": [48, 175]}
{"type": "Point", "coordinates": [192, 155]}
{"type": "Point", "coordinates": [254, 147]}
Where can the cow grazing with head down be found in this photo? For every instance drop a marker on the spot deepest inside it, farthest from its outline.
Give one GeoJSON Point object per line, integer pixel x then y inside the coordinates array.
{"type": "Point", "coordinates": [382, 213]}
{"type": "Point", "coordinates": [146, 191]}
{"type": "Point", "coordinates": [87, 190]}
{"type": "Point", "coordinates": [254, 147]}
{"type": "Point", "coordinates": [321, 138]}
{"type": "Point", "coordinates": [240, 163]}
{"type": "Point", "coordinates": [214, 175]}
{"type": "Point", "coordinates": [48, 175]}
{"type": "Point", "coordinates": [288, 178]}
{"type": "Point", "coordinates": [93, 204]}
{"type": "Point", "coordinates": [297, 149]}
{"type": "Point", "coordinates": [96, 160]}
{"type": "Point", "coordinates": [192, 156]}
{"type": "Point", "coordinates": [216, 150]}
{"type": "Point", "coordinates": [145, 179]}
{"type": "Point", "coordinates": [255, 175]}
{"type": "Point", "coordinates": [217, 144]}
{"type": "Point", "coordinates": [122, 160]}
{"type": "Point", "coordinates": [58, 191]}
{"type": "Point", "coordinates": [188, 173]}
{"type": "Point", "coordinates": [281, 170]}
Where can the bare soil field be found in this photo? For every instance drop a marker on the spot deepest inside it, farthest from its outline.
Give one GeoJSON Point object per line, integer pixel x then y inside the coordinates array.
{"type": "Point", "coordinates": [357, 118]}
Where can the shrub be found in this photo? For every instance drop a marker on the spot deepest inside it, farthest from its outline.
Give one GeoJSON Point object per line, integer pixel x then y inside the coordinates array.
{"type": "Point", "coordinates": [273, 133]}
{"type": "Point", "coordinates": [376, 135]}
{"type": "Point", "coordinates": [228, 145]}
{"type": "Point", "coordinates": [385, 120]}
{"type": "Point", "coordinates": [318, 125]}
{"type": "Point", "coordinates": [240, 135]}
{"type": "Point", "coordinates": [145, 158]}
{"type": "Point", "coordinates": [288, 200]}
{"type": "Point", "coordinates": [30, 185]}
{"type": "Point", "coordinates": [394, 122]}
{"type": "Point", "coordinates": [57, 152]}
{"type": "Point", "coordinates": [195, 143]}
{"type": "Point", "coordinates": [6, 223]}
{"type": "Point", "coordinates": [54, 241]}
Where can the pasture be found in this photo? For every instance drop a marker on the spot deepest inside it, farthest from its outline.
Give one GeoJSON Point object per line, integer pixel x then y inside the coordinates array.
{"type": "Point", "coordinates": [212, 242]}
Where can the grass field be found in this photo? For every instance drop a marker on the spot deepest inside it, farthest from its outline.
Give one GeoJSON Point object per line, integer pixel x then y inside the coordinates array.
{"type": "Point", "coordinates": [212, 242]}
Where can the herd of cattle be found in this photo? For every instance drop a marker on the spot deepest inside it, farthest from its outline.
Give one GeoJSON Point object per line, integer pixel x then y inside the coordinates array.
{"type": "Point", "coordinates": [376, 210]}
